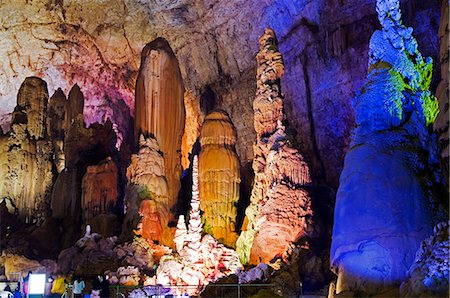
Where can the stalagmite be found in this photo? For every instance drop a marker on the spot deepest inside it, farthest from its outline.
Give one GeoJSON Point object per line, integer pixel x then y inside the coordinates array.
{"type": "Point", "coordinates": [29, 177]}
{"type": "Point", "coordinates": [200, 260]}
{"type": "Point", "coordinates": [147, 182]}
{"type": "Point", "coordinates": [219, 177]}
{"type": "Point", "coordinates": [193, 122]}
{"type": "Point", "coordinates": [385, 198]}
{"type": "Point", "coordinates": [57, 126]}
{"type": "Point", "coordinates": [280, 206]}
{"type": "Point", "coordinates": [159, 108]}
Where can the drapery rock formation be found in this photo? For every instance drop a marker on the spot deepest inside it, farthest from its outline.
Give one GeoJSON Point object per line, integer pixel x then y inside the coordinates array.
{"type": "Point", "coordinates": [201, 260]}
{"type": "Point", "coordinates": [100, 192]}
{"type": "Point", "coordinates": [147, 194]}
{"type": "Point", "coordinates": [383, 205]}
{"type": "Point", "coordinates": [429, 275]}
{"type": "Point", "coordinates": [28, 173]}
{"type": "Point", "coordinates": [159, 108]}
{"type": "Point", "coordinates": [219, 177]}
{"type": "Point", "coordinates": [280, 207]}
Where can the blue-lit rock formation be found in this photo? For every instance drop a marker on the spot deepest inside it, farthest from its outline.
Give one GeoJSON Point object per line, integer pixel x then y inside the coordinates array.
{"type": "Point", "coordinates": [385, 203]}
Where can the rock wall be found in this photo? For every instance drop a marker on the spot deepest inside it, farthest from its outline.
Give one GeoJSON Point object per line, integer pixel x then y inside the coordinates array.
{"type": "Point", "coordinates": [147, 194]}
{"type": "Point", "coordinates": [385, 198]}
{"type": "Point", "coordinates": [100, 192]}
{"type": "Point", "coordinates": [219, 176]}
{"type": "Point", "coordinates": [441, 123]}
{"type": "Point", "coordinates": [280, 206]}
{"type": "Point", "coordinates": [159, 108]}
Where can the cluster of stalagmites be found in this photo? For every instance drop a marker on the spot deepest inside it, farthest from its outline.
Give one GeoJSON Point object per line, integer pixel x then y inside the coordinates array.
{"type": "Point", "coordinates": [385, 201]}
{"type": "Point", "coordinates": [280, 206]}
{"type": "Point", "coordinates": [200, 259]}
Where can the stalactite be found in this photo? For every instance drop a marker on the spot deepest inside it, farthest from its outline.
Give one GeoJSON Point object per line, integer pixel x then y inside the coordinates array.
{"type": "Point", "coordinates": [219, 175]}
{"type": "Point", "coordinates": [280, 207]}
{"type": "Point", "coordinates": [159, 108]}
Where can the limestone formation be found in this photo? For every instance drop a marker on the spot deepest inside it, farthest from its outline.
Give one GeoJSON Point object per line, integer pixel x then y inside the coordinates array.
{"type": "Point", "coordinates": [385, 199]}
{"type": "Point", "coordinates": [56, 126]}
{"type": "Point", "coordinates": [442, 92]}
{"type": "Point", "coordinates": [100, 192]}
{"type": "Point", "coordinates": [200, 260]}
{"type": "Point", "coordinates": [159, 108]}
{"type": "Point", "coordinates": [280, 206]}
{"type": "Point", "coordinates": [193, 122]}
{"type": "Point", "coordinates": [219, 177]}
{"type": "Point", "coordinates": [429, 275]}
{"type": "Point", "coordinates": [147, 193]}
{"type": "Point", "coordinates": [28, 178]}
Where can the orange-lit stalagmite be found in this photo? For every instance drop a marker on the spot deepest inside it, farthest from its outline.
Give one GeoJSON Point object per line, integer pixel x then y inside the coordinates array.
{"type": "Point", "coordinates": [219, 177]}
{"type": "Point", "coordinates": [280, 207]}
{"type": "Point", "coordinates": [147, 194]}
{"type": "Point", "coordinates": [159, 107]}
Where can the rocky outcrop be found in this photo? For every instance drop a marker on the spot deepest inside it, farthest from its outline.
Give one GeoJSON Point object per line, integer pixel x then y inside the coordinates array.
{"type": "Point", "coordinates": [200, 260]}
{"type": "Point", "coordinates": [219, 177]}
{"type": "Point", "coordinates": [384, 201]}
{"type": "Point", "coordinates": [147, 194]}
{"type": "Point", "coordinates": [83, 146]}
{"type": "Point", "coordinates": [441, 123]}
{"type": "Point", "coordinates": [100, 192]}
{"type": "Point", "coordinates": [159, 108]}
{"type": "Point", "coordinates": [429, 275]}
{"type": "Point", "coordinates": [28, 174]}
{"type": "Point", "coordinates": [280, 206]}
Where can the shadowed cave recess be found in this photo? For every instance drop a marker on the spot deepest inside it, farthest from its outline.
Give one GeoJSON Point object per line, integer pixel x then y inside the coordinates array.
{"type": "Point", "coordinates": [213, 148]}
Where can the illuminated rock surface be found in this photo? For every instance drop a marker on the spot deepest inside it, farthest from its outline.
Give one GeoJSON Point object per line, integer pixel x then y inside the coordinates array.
{"type": "Point", "coordinates": [429, 275]}
{"type": "Point", "coordinates": [219, 177]}
{"type": "Point", "coordinates": [159, 108]}
{"type": "Point", "coordinates": [280, 207]}
{"type": "Point", "coordinates": [28, 173]}
{"type": "Point", "coordinates": [383, 205]}
{"type": "Point", "coordinates": [201, 260]}
{"type": "Point", "coordinates": [147, 194]}
{"type": "Point", "coordinates": [100, 197]}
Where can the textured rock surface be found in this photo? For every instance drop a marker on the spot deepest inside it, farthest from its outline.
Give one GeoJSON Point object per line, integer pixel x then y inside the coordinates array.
{"type": "Point", "coordinates": [441, 123]}
{"type": "Point", "coordinates": [193, 122]}
{"type": "Point", "coordinates": [28, 153]}
{"type": "Point", "coordinates": [159, 108]}
{"type": "Point", "coordinates": [383, 204]}
{"type": "Point", "coordinates": [219, 177]}
{"type": "Point", "coordinates": [100, 192]}
{"type": "Point", "coordinates": [280, 206]}
{"type": "Point", "coordinates": [200, 260]}
{"type": "Point", "coordinates": [98, 46]}
{"type": "Point", "coordinates": [428, 276]}
{"type": "Point", "coordinates": [147, 182]}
